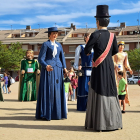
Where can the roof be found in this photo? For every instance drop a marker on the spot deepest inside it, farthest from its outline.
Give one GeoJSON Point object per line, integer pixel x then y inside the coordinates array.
{"type": "Point", "coordinates": [42, 36]}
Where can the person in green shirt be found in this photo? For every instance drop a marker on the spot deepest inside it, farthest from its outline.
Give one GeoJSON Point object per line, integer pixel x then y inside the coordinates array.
{"type": "Point", "coordinates": [67, 85]}
{"type": "Point", "coordinates": [122, 90]}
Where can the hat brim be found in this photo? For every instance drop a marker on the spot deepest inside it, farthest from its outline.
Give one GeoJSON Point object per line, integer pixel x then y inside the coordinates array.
{"type": "Point", "coordinates": [102, 16]}
{"type": "Point", "coordinates": [52, 31]}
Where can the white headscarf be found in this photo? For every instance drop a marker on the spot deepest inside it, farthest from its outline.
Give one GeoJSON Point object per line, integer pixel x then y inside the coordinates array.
{"type": "Point", "coordinates": [55, 49]}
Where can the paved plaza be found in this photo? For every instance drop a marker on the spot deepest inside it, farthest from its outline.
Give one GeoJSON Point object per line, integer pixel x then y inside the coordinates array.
{"type": "Point", "coordinates": [17, 121]}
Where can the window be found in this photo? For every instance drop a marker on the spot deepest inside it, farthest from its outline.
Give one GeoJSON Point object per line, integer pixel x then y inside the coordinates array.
{"type": "Point", "coordinates": [138, 46]}
{"type": "Point", "coordinates": [126, 48]}
{"type": "Point", "coordinates": [131, 32]}
{"type": "Point", "coordinates": [80, 35]}
{"type": "Point", "coordinates": [62, 34]}
{"type": "Point", "coordinates": [25, 47]}
{"type": "Point", "coordinates": [72, 48]}
{"type": "Point", "coordinates": [36, 48]}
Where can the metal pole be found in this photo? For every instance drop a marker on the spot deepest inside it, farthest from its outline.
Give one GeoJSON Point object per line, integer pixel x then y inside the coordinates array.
{"type": "Point", "coordinates": [118, 23]}
{"type": "Point", "coordinates": [86, 27]}
{"type": "Point", "coordinates": [39, 26]}
{"type": "Point", "coordinates": [138, 33]}
{"type": "Point", "coordinates": [11, 28]}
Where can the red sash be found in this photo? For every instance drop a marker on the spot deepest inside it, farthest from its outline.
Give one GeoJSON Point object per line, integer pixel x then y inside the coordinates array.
{"type": "Point", "coordinates": [105, 53]}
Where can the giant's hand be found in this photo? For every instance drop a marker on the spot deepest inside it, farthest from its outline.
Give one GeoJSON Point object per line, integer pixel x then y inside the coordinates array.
{"type": "Point", "coordinates": [49, 68]}
{"type": "Point", "coordinates": [131, 72]}
{"type": "Point", "coordinates": [23, 71]}
{"type": "Point", "coordinates": [66, 71]}
{"type": "Point", "coordinates": [38, 71]}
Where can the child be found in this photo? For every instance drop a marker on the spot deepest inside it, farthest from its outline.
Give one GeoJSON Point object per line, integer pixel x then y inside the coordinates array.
{"type": "Point", "coordinates": [74, 84]}
{"type": "Point", "coordinates": [67, 85]}
{"type": "Point", "coordinates": [122, 90]}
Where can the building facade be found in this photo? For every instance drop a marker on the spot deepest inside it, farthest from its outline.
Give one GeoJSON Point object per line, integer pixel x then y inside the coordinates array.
{"type": "Point", "coordinates": [69, 37]}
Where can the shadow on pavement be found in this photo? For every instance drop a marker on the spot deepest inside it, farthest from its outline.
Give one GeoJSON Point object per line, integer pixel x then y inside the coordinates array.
{"type": "Point", "coordinates": [21, 113]}
{"type": "Point", "coordinates": [14, 109]}
{"type": "Point", "coordinates": [128, 111]}
{"type": "Point", "coordinates": [47, 127]}
{"type": "Point", "coordinates": [75, 110]}
{"type": "Point", "coordinates": [11, 100]}
{"type": "Point", "coordinates": [26, 118]}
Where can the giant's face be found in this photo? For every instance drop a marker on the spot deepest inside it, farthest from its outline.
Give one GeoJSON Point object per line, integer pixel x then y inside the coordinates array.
{"type": "Point", "coordinates": [121, 48]}
{"type": "Point", "coordinates": [53, 35]}
{"type": "Point", "coordinates": [87, 38]}
{"type": "Point", "coordinates": [30, 55]}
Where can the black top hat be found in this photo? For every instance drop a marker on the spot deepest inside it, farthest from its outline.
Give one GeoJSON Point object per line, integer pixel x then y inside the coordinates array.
{"type": "Point", "coordinates": [52, 29]}
{"type": "Point", "coordinates": [102, 11]}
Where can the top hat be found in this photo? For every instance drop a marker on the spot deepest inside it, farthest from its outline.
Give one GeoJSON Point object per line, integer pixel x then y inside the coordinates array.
{"type": "Point", "coordinates": [52, 29]}
{"type": "Point", "coordinates": [121, 43]}
{"type": "Point", "coordinates": [102, 11]}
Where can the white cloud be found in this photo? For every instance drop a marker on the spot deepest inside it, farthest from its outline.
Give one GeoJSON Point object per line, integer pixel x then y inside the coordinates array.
{"type": "Point", "coordinates": [111, 24]}
{"type": "Point", "coordinates": [123, 12]}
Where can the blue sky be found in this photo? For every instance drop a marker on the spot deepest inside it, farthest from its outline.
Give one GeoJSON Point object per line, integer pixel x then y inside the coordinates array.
{"type": "Point", "coordinates": [20, 13]}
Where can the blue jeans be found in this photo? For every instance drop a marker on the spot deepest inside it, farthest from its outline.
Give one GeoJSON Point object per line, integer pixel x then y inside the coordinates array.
{"type": "Point", "coordinates": [5, 88]}
{"type": "Point", "coordinates": [73, 95]}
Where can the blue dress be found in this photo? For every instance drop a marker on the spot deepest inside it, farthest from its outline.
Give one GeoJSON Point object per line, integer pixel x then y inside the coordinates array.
{"type": "Point", "coordinates": [51, 102]}
{"type": "Point", "coordinates": [86, 62]}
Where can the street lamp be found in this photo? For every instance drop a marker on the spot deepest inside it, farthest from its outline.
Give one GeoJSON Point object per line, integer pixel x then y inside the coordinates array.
{"type": "Point", "coordinates": [118, 23]}
{"type": "Point", "coordinates": [138, 32]}
{"type": "Point", "coordinates": [11, 28]}
{"type": "Point", "coordinates": [86, 27]}
{"type": "Point", "coordinates": [39, 26]}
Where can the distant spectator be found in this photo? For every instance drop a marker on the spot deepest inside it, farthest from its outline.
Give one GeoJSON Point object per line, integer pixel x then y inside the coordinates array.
{"type": "Point", "coordinates": [9, 82]}
{"type": "Point", "coordinates": [139, 82]}
{"type": "Point", "coordinates": [5, 83]}
{"type": "Point", "coordinates": [67, 85]}
{"type": "Point", "coordinates": [71, 73]}
{"type": "Point", "coordinates": [122, 90]}
{"type": "Point", "coordinates": [73, 83]}
{"type": "Point", "coordinates": [76, 86]}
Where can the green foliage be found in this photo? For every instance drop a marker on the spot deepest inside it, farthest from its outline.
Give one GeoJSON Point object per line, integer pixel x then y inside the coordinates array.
{"type": "Point", "coordinates": [11, 57]}
{"type": "Point", "coordinates": [134, 59]}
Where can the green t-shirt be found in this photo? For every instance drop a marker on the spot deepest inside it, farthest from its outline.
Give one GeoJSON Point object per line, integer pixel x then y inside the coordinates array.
{"type": "Point", "coordinates": [122, 84]}
{"type": "Point", "coordinates": [66, 85]}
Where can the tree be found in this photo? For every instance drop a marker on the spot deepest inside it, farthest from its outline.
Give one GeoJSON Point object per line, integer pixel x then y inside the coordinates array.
{"type": "Point", "coordinates": [11, 57]}
{"type": "Point", "coordinates": [134, 59]}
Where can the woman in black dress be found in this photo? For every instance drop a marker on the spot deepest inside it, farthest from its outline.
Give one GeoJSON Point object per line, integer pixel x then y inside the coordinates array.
{"type": "Point", "coordinates": [103, 110]}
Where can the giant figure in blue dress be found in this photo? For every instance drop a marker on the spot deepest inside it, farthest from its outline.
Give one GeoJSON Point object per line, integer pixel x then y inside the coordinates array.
{"type": "Point", "coordinates": [51, 102]}
{"type": "Point", "coordinates": [86, 67]}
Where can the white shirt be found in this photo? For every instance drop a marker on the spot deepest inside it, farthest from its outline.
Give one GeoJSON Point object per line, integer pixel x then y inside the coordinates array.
{"type": "Point", "coordinates": [55, 48]}
{"type": "Point", "coordinates": [77, 54]}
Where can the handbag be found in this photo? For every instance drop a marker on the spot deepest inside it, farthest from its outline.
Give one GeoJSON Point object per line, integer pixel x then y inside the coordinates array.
{"type": "Point", "coordinates": [12, 81]}
{"type": "Point", "coordinates": [80, 73]}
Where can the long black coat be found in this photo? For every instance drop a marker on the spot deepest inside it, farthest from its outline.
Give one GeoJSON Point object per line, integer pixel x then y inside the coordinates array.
{"type": "Point", "coordinates": [103, 77]}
